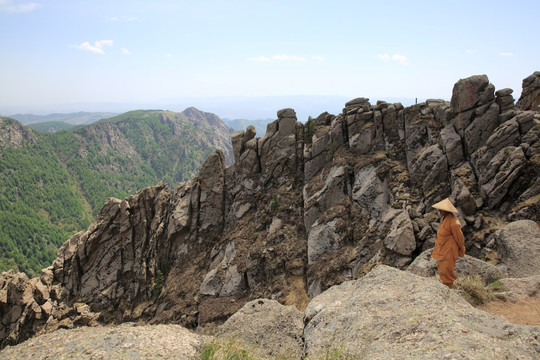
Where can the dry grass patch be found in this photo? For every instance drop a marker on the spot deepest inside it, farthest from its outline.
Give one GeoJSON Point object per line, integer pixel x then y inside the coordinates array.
{"type": "Point", "coordinates": [476, 292]}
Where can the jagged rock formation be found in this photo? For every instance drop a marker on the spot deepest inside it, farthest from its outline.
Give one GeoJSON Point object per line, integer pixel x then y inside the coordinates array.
{"type": "Point", "coordinates": [530, 96]}
{"type": "Point", "coordinates": [299, 212]}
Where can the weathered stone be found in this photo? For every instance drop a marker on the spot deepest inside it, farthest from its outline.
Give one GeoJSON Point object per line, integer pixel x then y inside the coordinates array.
{"type": "Point", "coordinates": [451, 144]}
{"type": "Point", "coordinates": [530, 95]}
{"type": "Point", "coordinates": [322, 239]}
{"type": "Point", "coordinates": [369, 193]}
{"type": "Point", "coordinates": [395, 314]}
{"type": "Point", "coordinates": [478, 132]}
{"type": "Point", "coordinates": [430, 170]}
{"type": "Point", "coordinates": [500, 173]}
{"type": "Point", "coordinates": [211, 284]}
{"type": "Point", "coordinates": [274, 330]}
{"type": "Point", "coordinates": [400, 238]}
{"type": "Point", "coordinates": [237, 144]}
{"type": "Point", "coordinates": [505, 135]}
{"type": "Point", "coordinates": [330, 194]}
{"type": "Point", "coordinates": [233, 283]}
{"type": "Point", "coordinates": [47, 276]}
{"type": "Point", "coordinates": [212, 186]}
{"type": "Point", "coordinates": [518, 246]}
{"type": "Point", "coordinates": [468, 92]}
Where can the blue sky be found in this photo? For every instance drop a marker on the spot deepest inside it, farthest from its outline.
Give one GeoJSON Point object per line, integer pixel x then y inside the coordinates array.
{"type": "Point", "coordinates": [150, 52]}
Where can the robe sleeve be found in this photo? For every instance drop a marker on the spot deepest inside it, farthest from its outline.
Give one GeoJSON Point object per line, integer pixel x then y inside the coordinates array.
{"type": "Point", "coordinates": [458, 238]}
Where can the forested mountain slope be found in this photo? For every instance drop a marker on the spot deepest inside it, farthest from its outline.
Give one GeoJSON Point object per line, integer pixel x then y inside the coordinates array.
{"type": "Point", "coordinates": [52, 185]}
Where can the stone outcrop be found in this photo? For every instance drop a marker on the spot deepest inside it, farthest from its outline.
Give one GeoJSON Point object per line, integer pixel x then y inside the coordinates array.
{"type": "Point", "coordinates": [518, 247]}
{"type": "Point", "coordinates": [394, 314]}
{"type": "Point", "coordinates": [33, 306]}
{"type": "Point", "coordinates": [301, 211]}
{"type": "Point", "coordinates": [272, 329]}
{"type": "Point", "coordinates": [530, 96]}
{"type": "Point", "coordinates": [12, 133]}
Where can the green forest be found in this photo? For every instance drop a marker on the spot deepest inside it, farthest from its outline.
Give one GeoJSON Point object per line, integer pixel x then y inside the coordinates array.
{"type": "Point", "coordinates": [54, 185]}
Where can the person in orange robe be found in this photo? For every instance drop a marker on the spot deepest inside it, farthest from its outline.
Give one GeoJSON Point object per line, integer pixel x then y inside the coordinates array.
{"type": "Point", "coordinates": [450, 243]}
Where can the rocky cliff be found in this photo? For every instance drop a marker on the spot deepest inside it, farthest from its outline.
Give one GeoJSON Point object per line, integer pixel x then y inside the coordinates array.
{"type": "Point", "coordinates": [302, 209]}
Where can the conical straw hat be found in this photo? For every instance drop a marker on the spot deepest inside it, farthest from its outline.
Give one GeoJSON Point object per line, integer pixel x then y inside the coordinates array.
{"type": "Point", "coordinates": [445, 205]}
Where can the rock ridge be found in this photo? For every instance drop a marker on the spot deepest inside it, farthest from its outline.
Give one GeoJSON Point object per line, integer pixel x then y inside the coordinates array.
{"type": "Point", "coordinates": [301, 210]}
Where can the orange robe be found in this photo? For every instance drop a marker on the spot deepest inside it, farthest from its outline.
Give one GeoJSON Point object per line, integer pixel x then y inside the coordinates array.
{"type": "Point", "coordinates": [450, 245]}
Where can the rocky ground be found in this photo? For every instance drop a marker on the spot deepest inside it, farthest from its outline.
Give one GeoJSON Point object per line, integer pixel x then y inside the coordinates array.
{"type": "Point", "coordinates": [387, 314]}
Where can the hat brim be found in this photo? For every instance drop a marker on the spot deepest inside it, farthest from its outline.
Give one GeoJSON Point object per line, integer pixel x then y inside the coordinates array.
{"type": "Point", "coordinates": [445, 205]}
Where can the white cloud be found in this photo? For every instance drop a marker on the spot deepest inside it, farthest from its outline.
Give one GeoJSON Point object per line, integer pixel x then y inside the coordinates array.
{"type": "Point", "coordinates": [11, 6]}
{"type": "Point", "coordinates": [318, 58]}
{"type": "Point", "coordinates": [469, 51]}
{"type": "Point", "coordinates": [125, 51]}
{"type": "Point", "coordinates": [506, 54]}
{"type": "Point", "coordinates": [402, 59]}
{"type": "Point", "coordinates": [96, 48]}
{"type": "Point", "coordinates": [169, 55]}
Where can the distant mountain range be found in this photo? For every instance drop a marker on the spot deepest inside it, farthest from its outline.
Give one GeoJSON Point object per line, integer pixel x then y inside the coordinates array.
{"type": "Point", "coordinates": [77, 118]}
{"type": "Point", "coordinates": [230, 107]}
{"type": "Point", "coordinates": [53, 185]}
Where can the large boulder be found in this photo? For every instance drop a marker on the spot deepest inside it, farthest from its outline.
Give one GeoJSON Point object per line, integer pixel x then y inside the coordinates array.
{"type": "Point", "coordinates": [468, 94]}
{"type": "Point", "coordinates": [393, 314]}
{"type": "Point", "coordinates": [518, 248]}
{"type": "Point", "coordinates": [274, 329]}
{"type": "Point", "coordinates": [400, 237]}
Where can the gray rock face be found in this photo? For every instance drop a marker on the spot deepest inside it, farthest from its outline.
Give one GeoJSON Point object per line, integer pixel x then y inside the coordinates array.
{"type": "Point", "coordinates": [467, 94]}
{"type": "Point", "coordinates": [430, 170]}
{"type": "Point", "coordinates": [504, 99]}
{"type": "Point", "coordinates": [400, 238]}
{"type": "Point", "coordinates": [277, 148]}
{"type": "Point", "coordinates": [452, 145]}
{"type": "Point", "coordinates": [327, 195]}
{"type": "Point", "coordinates": [212, 187]}
{"type": "Point", "coordinates": [530, 95]}
{"type": "Point", "coordinates": [88, 264]}
{"type": "Point", "coordinates": [32, 305]}
{"type": "Point", "coordinates": [394, 314]}
{"type": "Point", "coordinates": [518, 246]}
{"type": "Point", "coordinates": [485, 121]}
{"type": "Point", "coordinates": [370, 194]}
{"type": "Point", "coordinates": [245, 147]}
{"type": "Point", "coordinates": [322, 239]}
{"type": "Point", "coordinates": [504, 169]}
{"type": "Point", "coordinates": [274, 329]}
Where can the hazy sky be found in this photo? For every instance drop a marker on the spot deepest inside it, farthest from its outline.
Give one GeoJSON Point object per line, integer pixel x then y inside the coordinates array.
{"type": "Point", "coordinates": [59, 51]}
